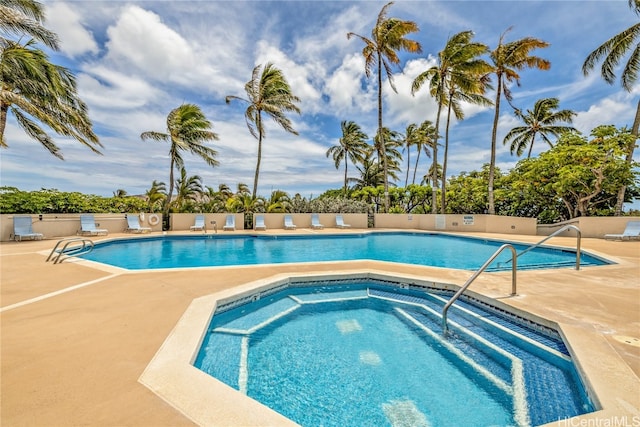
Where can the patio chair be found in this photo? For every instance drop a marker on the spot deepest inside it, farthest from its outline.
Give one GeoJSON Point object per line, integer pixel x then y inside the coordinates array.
{"type": "Point", "coordinates": [23, 228]}
{"type": "Point", "coordinates": [288, 223]}
{"type": "Point", "coordinates": [315, 222]}
{"type": "Point", "coordinates": [631, 231]}
{"type": "Point", "coordinates": [340, 222]}
{"type": "Point", "coordinates": [259, 223]}
{"type": "Point", "coordinates": [133, 225]}
{"type": "Point", "coordinates": [88, 226]}
{"type": "Point", "coordinates": [230, 224]}
{"type": "Point", "coordinates": [198, 224]}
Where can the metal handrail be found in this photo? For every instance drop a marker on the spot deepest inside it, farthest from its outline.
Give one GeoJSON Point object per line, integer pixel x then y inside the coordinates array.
{"type": "Point", "coordinates": [73, 251]}
{"type": "Point", "coordinates": [514, 268]}
{"type": "Point", "coordinates": [565, 228]}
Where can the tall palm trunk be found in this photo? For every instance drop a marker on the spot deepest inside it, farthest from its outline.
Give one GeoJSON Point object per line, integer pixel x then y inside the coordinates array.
{"type": "Point", "coordinates": [492, 161]}
{"type": "Point", "coordinates": [533, 138]}
{"type": "Point", "coordinates": [413, 181]}
{"type": "Point", "coordinates": [406, 178]}
{"type": "Point", "coordinates": [346, 161]}
{"type": "Point", "coordinates": [3, 121]}
{"type": "Point", "coordinates": [443, 196]}
{"type": "Point", "coordinates": [255, 178]}
{"type": "Point", "coordinates": [434, 167]}
{"type": "Point", "coordinates": [167, 202]}
{"type": "Point", "coordinates": [382, 149]}
{"type": "Point", "coordinates": [629, 160]}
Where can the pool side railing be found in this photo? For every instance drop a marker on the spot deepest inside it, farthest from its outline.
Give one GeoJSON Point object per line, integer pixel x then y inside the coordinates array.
{"type": "Point", "coordinates": [73, 246]}
{"type": "Point", "coordinates": [555, 233]}
{"type": "Point", "coordinates": [514, 268]}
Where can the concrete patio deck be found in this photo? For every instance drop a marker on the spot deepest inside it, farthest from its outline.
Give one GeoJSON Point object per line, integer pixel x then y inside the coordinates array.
{"type": "Point", "coordinates": [75, 337]}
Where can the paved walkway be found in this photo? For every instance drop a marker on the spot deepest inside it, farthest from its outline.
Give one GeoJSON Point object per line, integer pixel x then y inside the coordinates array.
{"type": "Point", "coordinates": [75, 338]}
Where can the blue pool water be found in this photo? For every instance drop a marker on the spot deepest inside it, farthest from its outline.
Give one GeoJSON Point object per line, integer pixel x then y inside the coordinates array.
{"type": "Point", "coordinates": [367, 353]}
{"type": "Point", "coordinates": [410, 248]}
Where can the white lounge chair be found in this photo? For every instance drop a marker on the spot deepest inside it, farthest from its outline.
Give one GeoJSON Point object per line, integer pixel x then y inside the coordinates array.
{"type": "Point", "coordinates": [288, 223]}
{"type": "Point", "coordinates": [198, 224]}
{"type": "Point", "coordinates": [230, 224]}
{"type": "Point", "coordinates": [259, 223]}
{"type": "Point", "coordinates": [23, 228]}
{"type": "Point", "coordinates": [133, 225]}
{"type": "Point", "coordinates": [88, 226]}
{"type": "Point", "coordinates": [340, 222]}
{"type": "Point", "coordinates": [631, 231]}
{"type": "Point", "coordinates": [315, 222]}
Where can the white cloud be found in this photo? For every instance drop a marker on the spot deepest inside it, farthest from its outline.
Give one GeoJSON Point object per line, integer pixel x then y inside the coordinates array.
{"type": "Point", "coordinates": [404, 107]}
{"type": "Point", "coordinates": [345, 88]}
{"type": "Point", "coordinates": [75, 39]}
{"type": "Point", "coordinates": [141, 39]}
{"type": "Point", "coordinates": [107, 88]}
{"type": "Point", "coordinates": [606, 111]}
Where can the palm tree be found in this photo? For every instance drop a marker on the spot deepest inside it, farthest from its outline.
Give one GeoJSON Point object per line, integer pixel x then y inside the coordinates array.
{"type": "Point", "coordinates": [156, 195]}
{"type": "Point", "coordinates": [371, 175]}
{"type": "Point", "coordinates": [542, 120]}
{"type": "Point", "coordinates": [460, 75]}
{"type": "Point", "coordinates": [267, 92]}
{"type": "Point", "coordinates": [613, 51]}
{"type": "Point", "coordinates": [425, 142]}
{"type": "Point", "coordinates": [120, 193]}
{"type": "Point", "coordinates": [187, 130]}
{"type": "Point", "coordinates": [351, 146]}
{"type": "Point", "coordinates": [411, 138]}
{"type": "Point", "coordinates": [215, 200]}
{"type": "Point", "coordinates": [387, 38]}
{"type": "Point", "coordinates": [467, 81]}
{"type": "Point", "coordinates": [507, 59]}
{"type": "Point", "coordinates": [38, 93]}
{"type": "Point", "coordinates": [25, 17]}
{"type": "Point", "coordinates": [279, 202]}
{"type": "Point", "coordinates": [392, 141]}
{"type": "Point", "coordinates": [189, 190]}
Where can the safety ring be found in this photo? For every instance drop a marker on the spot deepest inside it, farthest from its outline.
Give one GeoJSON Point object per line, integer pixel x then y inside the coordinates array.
{"type": "Point", "coordinates": [154, 219]}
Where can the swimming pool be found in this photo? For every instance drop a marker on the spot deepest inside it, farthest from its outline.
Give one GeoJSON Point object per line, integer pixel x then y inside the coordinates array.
{"type": "Point", "coordinates": [369, 352]}
{"type": "Point", "coordinates": [438, 250]}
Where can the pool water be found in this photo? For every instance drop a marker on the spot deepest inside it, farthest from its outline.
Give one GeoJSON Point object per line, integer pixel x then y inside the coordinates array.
{"type": "Point", "coordinates": [410, 248]}
{"type": "Point", "coordinates": [366, 353]}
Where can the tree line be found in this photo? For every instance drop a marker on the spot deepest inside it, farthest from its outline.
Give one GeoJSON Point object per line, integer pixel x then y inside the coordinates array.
{"type": "Point", "coordinates": [578, 176]}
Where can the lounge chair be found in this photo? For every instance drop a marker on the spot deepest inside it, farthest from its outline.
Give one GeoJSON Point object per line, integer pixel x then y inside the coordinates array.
{"type": "Point", "coordinates": [23, 228]}
{"type": "Point", "coordinates": [315, 222]}
{"type": "Point", "coordinates": [88, 226]}
{"type": "Point", "coordinates": [340, 222]}
{"type": "Point", "coordinates": [259, 223]}
{"type": "Point", "coordinates": [198, 225]}
{"type": "Point", "coordinates": [288, 223]}
{"type": "Point", "coordinates": [133, 225]}
{"type": "Point", "coordinates": [631, 231]}
{"type": "Point", "coordinates": [230, 224]}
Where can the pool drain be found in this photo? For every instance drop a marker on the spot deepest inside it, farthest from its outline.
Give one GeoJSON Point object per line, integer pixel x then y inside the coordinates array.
{"type": "Point", "coordinates": [627, 340]}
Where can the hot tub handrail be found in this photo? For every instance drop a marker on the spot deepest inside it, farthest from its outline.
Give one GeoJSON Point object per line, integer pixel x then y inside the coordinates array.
{"type": "Point", "coordinates": [555, 233]}
{"type": "Point", "coordinates": [514, 268]}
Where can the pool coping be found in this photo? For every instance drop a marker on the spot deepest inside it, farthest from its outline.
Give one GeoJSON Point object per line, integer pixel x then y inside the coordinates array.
{"type": "Point", "coordinates": [607, 260]}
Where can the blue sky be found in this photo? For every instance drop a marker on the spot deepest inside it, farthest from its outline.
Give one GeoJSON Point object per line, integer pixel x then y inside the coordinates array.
{"type": "Point", "coordinates": [137, 60]}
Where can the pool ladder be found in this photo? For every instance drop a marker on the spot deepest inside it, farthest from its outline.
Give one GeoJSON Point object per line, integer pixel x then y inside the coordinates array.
{"type": "Point", "coordinates": [76, 249]}
{"type": "Point", "coordinates": [514, 268]}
